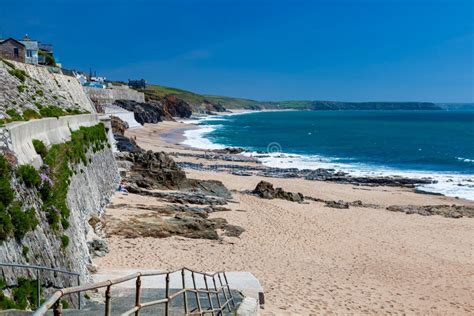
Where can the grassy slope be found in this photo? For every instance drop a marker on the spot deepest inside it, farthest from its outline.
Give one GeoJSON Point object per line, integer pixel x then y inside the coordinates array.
{"type": "Point", "coordinates": [194, 98]}
{"type": "Point", "coordinates": [234, 103]}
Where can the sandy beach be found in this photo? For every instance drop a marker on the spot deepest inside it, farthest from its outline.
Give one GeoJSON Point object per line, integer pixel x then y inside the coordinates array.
{"type": "Point", "coordinates": [312, 259]}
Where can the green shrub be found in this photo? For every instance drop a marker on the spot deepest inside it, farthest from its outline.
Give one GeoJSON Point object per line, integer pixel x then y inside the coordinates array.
{"type": "Point", "coordinates": [65, 304]}
{"type": "Point", "coordinates": [24, 251]}
{"type": "Point", "coordinates": [6, 226]}
{"type": "Point", "coordinates": [38, 105]}
{"type": "Point", "coordinates": [52, 111]}
{"type": "Point", "coordinates": [64, 241]}
{"type": "Point", "coordinates": [5, 170]}
{"type": "Point", "coordinates": [6, 192]}
{"type": "Point", "coordinates": [6, 303]}
{"type": "Point", "coordinates": [21, 88]}
{"type": "Point", "coordinates": [9, 64]}
{"type": "Point", "coordinates": [30, 114]}
{"type": "Point", "coordinates": [40, 147]}
{"type": "Point", "coordinates": [14, 115]}
{"type": "Point", "coordinates": [23, 222]}
{"type": "Point", "coordinates": [18, 73]}
{"type": "Point", "coordinates": [29, 175]}
{"type": "Point", "coordinates": [40, 93]}
{"type": "Point", "coordinates": [25, 294]}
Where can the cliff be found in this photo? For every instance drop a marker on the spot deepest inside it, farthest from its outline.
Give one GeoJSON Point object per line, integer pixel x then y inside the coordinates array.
{"type": "Point", "coordinates": [156, 110]}
{"type": "Point", "coordinates": [32, 91]}
{"type": "Point", "coordinates": [56, 174]}
{"type": "Point", "coordinates": [203, 103]}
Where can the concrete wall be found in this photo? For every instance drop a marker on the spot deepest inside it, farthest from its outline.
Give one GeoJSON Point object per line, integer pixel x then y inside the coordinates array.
{"type": "Point", "coordinates": [124, 115]}
{"type": "Point", "coordinates": [89, 191]}
{"type": "Point", "coordinates": [108, 96]}
{"type": "Point", "coordinates": [49, 130]}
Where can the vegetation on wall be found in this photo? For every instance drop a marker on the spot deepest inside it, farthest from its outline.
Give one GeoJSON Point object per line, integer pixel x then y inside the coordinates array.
{"type": "Point", "coordinates": [58, 160]}
{"type": "Point", "coordinates": [24, 295]}
{"type": "Point", "coordinates": [51, 183]}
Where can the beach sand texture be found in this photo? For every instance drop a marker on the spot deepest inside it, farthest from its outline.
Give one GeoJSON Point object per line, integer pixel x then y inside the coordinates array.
{"type": "Point", "coordinates": [312, 259]}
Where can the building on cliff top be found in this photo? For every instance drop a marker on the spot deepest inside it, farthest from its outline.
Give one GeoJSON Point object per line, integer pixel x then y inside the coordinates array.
{"type": "Point", "coordinates": [31, 50]}
{"type": "Point", "coordinates": [12, 49]}
{"type": "Point", "coordinates": [137, 84]}
{"type": "Point", "coordinates": [27, 51]}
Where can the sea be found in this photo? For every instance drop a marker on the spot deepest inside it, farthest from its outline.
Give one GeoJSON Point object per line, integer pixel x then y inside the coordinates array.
{"type": "Point", "coordinates": [418, 144]}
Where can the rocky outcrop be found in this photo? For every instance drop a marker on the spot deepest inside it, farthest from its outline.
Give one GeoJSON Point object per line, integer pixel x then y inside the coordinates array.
{"type": "Point", "coordinates": [143, 112]}
{"type": "Point", "coordinates": [452, 211]}
{"type": "Point", "coordinates": [118, 126]}
{"type": "Point", "coordinates": [126, 144]}
{"type": "Point", "coordinates": [169, 220]}
{"type": "Point", "coordinates": [157, 170]}
{"type": "Point", "coordinates": [156, 110]}
{"type": "Point", "coordinates": [265, 190]}
{"type": "Point", "coordinates": [176, 107]}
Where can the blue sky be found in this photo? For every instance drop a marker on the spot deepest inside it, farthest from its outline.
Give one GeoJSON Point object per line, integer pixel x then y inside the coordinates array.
{"type": "Point", "coordinates": [358, 50]}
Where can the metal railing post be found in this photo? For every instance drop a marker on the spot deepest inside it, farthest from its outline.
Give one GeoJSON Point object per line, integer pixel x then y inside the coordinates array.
{"type": "Point", "coordinates": [79, 293]}
{"type": "Point", "coordinates": [38, 288]}
{"type": "Point", "coordinates": [196, 292]}
{"type": "Point", "coordinates": [211, 305]}
{"type": "Point", "coordinates": [58, 308]}
{"type": "Point", "coordinates": [138, 286]}
{"type": "Point", "coordinates": [107, 301]}
{"type": "Point", "coordinates": [223, 290]}
{"type": "Point", "coordinates": [217, 293]}
{"type": "Point", "coordinates": [185, 296]}
{"type": "Point", "coordinates": [228, 288]}
{"type": "Point", "coordinates": [167, 306]}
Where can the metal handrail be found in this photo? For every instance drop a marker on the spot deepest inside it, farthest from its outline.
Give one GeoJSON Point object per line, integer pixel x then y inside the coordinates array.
{"type": "Point", "coordinates": [38, 280]}
{"type": "Point", "coordinates": [54, 300]}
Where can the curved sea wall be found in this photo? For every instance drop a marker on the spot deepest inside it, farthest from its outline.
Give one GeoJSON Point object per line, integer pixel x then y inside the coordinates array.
{"type": "Point", "coordinates": [90, 187]}
{"type": "Point", "coordinates": [49, 130]}
{"type": "Point", "coordinates": [83, 176]}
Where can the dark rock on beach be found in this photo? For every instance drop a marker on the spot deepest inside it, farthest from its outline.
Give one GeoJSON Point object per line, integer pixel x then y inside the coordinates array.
{"type": "Point", "coordinates": [126, 144]}
{"type": "Point", "coordinates": [265, 190]}
{"type": "Point", "coordinates": [451, 211]}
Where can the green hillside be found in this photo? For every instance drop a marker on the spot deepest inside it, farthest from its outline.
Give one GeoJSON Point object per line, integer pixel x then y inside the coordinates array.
{"type": "Point", "coordinates": [195, 99]}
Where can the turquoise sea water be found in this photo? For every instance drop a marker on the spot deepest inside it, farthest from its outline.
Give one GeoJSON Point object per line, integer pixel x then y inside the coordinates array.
{"type": "Point", "coordinates": [438, 144]}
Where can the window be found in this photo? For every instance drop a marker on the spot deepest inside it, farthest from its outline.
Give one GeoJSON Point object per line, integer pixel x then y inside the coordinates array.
{"type": "Point", "coordinates": [15, 52]}
{"type": "Point", "coordinates": [29, 53]}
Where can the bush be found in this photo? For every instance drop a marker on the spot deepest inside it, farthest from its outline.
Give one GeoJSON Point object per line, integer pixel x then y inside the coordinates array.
{"type": "Point", "coordinates": [29, 175]}
{"type": "Point", "coordinates": [6, 193]}
{"type": "Point", "coordinates": [6, 62]}
{"type": "Point", "coordinates": [40, 93]}
{"type": "Point", "coordinates": [6, 226]}
{"type": "Point", "coordinates": [25, 294]}
{"type": "Point", "coordinates": [21, 88]}
{"type": "Point", "coordinates": [23, 222]}
{"type": "Point", "coordinates": [14, 115]}
{"type": "Point", "coordinates": [18, 73]}
{"type": "Point", "coordinates": [40, 147]}
{"type": "Point", "coordinates": [64, 241]}
{"type": "Point", "coordinates": [4, 167]}
{"type": "Point", "coordinates": [30, 114]}
{"type": "Point", "coordinates": [52, 111]}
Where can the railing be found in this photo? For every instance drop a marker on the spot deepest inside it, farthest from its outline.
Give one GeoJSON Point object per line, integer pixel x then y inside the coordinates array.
{"type": "Point", "coordinates": [38, 277]}
{"type": "Point", "coordinates": [218, 287]}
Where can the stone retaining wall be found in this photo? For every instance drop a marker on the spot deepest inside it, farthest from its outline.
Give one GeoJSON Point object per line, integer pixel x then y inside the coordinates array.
{"type": "Point", "coordinates": [108, 96]}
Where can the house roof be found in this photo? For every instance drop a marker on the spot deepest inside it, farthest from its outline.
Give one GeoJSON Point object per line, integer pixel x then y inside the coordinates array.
{"type": "Point", "coordinates": [11, 39]}
{"type": "Point", "coordinates": [30, 44]}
